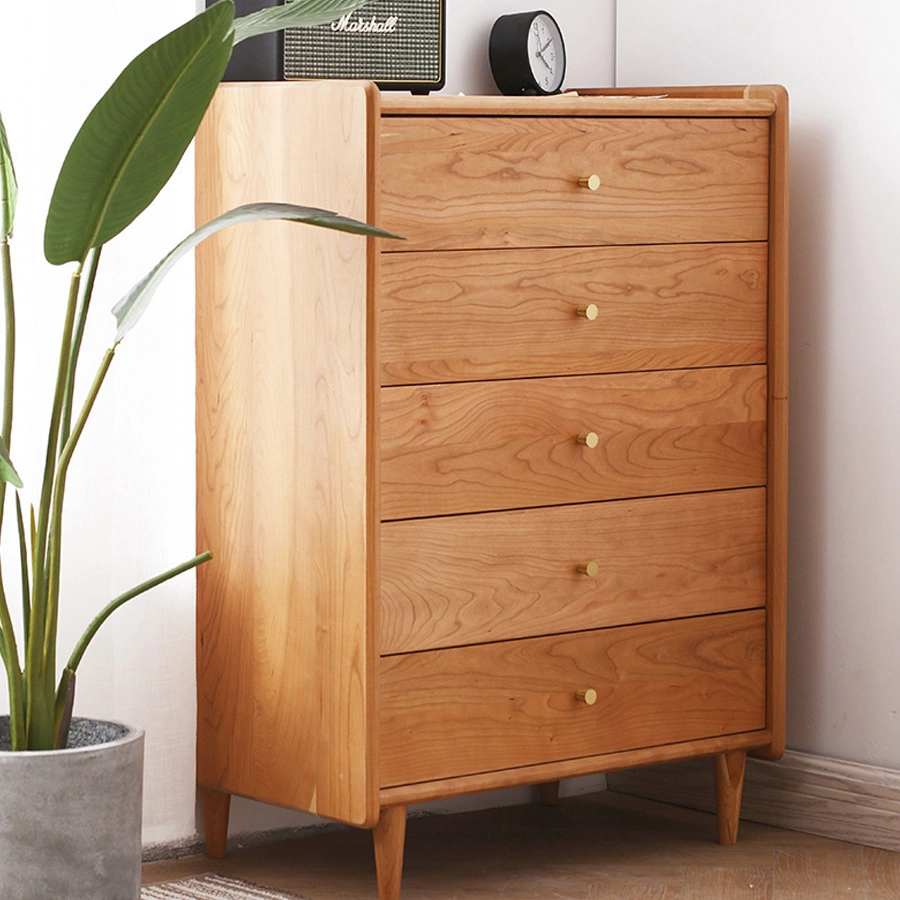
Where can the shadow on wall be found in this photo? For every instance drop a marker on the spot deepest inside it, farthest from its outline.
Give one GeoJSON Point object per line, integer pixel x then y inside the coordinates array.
{"type": "Point", "coordinates": [812, 209]}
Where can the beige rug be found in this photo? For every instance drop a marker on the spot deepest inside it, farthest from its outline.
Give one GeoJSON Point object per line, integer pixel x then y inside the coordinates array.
{"type": "Point", "coordinates": [213, 887]}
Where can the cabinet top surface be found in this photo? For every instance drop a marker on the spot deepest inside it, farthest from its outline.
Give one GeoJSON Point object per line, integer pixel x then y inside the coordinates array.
{"type": "Point", "coordinates": [732, 101]}
{"type": "Point", "coordinates": [578, 104]}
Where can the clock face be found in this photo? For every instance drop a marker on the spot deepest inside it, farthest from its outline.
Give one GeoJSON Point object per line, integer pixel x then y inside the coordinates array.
{"type": "Point", "coordinates": [546, 55]}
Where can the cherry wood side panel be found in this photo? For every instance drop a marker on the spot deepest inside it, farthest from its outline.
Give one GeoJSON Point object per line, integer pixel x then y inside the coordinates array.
{"type": "Point", "coordinates": [496, 576]}
{"type": "Point", "coordinates": [474, 182]}
{"type": "Point", "coordinates": [499, 445]}
{"type": "Point", "coordinates": [779, 287]}
{"type": "Point", "coordinates": [465, 710]}
{"type": "Point", "coordinates": [463, 315]}
{"type": "Point", "coordinates": [284, 619]}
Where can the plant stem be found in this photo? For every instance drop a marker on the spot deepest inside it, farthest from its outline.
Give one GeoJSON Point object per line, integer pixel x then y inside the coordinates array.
{"type": "Point", "coordinates": [10, 651]}
{"type": "Point", "coordinates": [59, 491]}
{"type": "Point", "coordinates": [14, 678]}
{"type": "Point", "coordinates": [43, 518]}
{"type": "Point", "coordinates": [9, 358]}
{"type": "Point", "coordinates": [75, 350]}
{"type": "Point", "coordinates": [23, 564]}
{"type": "Point", "coordinates": [113, 605]}
{"type": "Point", "coordinates": [39, 675]}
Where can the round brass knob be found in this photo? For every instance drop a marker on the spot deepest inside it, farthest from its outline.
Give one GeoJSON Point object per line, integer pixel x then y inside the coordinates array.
{"type": "Point", "coordinates": [591, 569]}
{"type": "Point", "coordinates": [589, 312]}
{"type": "Point", "coordinates": [589, 439]}
{"type": "Point", "coordinates": [587, 696]}
{"type": "Point", "coordinates": [591, 182]}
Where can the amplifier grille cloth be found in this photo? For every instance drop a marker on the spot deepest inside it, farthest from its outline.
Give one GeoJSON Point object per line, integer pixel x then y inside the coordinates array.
{"type": "Point", "coordinates": [411, 52]}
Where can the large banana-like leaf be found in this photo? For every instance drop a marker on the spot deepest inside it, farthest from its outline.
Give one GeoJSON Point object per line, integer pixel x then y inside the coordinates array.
{"type": "Point", "coordinates": [134, 138]}
{"type": "Point", "coordinates": [8, 188]}
{"type": "Point", "coordinates": [295, 12]}
{"type": "Point", "coordinates": [7, 470]}
{"type": "Point", "coordinates": [133, 305]}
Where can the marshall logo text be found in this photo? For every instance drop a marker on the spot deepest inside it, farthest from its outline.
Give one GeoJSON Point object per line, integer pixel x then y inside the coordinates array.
{"type": "Point", "coordinates": [362, 26]}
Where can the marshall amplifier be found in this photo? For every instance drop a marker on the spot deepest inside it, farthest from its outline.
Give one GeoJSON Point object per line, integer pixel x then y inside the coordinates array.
{"type": "Point", "coordinates": [258, 58]}
{"type": "Point", "coordinates": [398, 44]}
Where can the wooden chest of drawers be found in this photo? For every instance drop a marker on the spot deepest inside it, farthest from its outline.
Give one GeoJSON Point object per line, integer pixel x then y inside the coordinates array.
{"type": "Point", "coordinates": [505, 502]}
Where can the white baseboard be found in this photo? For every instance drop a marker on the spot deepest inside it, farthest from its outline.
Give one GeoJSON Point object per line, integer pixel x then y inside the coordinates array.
{"type": "Point", "coordinates": [801, 792]}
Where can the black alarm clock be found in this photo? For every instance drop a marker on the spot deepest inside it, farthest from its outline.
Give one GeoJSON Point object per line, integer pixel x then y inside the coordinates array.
{"type": "Point", "coordinates": [527, 54]}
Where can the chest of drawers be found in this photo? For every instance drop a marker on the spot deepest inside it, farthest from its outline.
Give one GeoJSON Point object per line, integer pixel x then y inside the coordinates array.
{"type": "Point", "coordinates": [505, 502]}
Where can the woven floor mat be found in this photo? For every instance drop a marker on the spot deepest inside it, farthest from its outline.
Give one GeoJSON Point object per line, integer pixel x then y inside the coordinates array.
{"type": "Point", "coordinates": [213, 887]}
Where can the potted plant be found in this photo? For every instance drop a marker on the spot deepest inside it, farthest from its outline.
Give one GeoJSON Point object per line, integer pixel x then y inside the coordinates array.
{"type": "Point", "coordinates": [70, 815]}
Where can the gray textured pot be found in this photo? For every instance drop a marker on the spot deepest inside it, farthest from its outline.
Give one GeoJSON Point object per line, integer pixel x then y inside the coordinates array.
{"type": "Point", "coordinates": [70, 820]}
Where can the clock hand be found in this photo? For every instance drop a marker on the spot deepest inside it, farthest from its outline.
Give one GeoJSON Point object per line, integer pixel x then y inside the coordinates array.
{"type": "Point", "coordinates": [540, 56]}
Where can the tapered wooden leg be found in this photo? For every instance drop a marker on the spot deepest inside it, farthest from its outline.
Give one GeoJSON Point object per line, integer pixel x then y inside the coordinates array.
{"type": "Point", "coordinates": [390, 836]}
{"type": "Point", "coordinates": [216, 805]}
{"type": "Point", "coordinates": [729, 785]}
{"type": "Point", "coordinates": [550, 793]}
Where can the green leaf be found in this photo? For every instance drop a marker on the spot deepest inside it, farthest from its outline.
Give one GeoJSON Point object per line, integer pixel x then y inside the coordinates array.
{"type": "Point", "coordinates": [133, 305]}
{"type": "Point", "coordinates": [8, 472]}
{"type": "Point", "coordinates": [134, 138]}
{"type": "Point", "coordinates": [8, 187]}
{"type": "Point", "coordinates": [296, 12]}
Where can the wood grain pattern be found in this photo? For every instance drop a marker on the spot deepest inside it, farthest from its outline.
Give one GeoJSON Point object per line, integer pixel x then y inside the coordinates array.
{"type": "Point", "coordinates": [423, 791]}
{"type": "Point", "coordinates": [823, 873]}
{"type": "Point", "coordinates": [389, 836]}
{"type": "Point", "coordinates": [284, 625]}
{"type": "Point", "coordinates": [777, 342]}
{"type": "Point", "coordinates": [882, 874]}
{"type": "Point", "coordinates": [475, 182]}
{"type": "Point", "coordinates": [347, 388]}
{"type": "Point", "coordinates": [731, 101]}
{"type": "Point", "coordinates": [498, 445]}
{"type": "Point", "coordinates": [739, 883]}
{"type": "Point", "coordinates": [729, 777]}
{"type": "Point", "coordinates": [471, 579]}
{"type": "Point", "coordinates": [216, 806]}
{"type": "Point", "coordinates": [498, 706]}
{"type": "Point", "coordinates": [458, 316]}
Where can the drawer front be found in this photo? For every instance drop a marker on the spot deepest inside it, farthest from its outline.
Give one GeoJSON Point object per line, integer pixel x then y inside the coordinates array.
{"type": "Point", "coordinates": [446, 713]}
{"type": "Point", "coordinates": [483, 446]}
{"type": "Point", "coordinates": [477, 182]}
{"type": "Point", "coordinates": [460, 316]}
{"type": "Point", "coordinates": [497, 576]}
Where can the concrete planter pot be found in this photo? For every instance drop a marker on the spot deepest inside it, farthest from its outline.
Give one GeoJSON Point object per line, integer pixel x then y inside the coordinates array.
{"type": "Point", "coordinates": [70, 820]}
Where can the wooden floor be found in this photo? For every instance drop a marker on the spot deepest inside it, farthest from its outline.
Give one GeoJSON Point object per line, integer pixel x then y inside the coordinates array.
{"type": "Point", "coordinates": [605, 845]}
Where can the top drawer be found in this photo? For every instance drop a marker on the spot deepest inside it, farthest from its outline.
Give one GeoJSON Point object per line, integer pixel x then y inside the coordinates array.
{"type": "Point", "coordinates": [461, 182]}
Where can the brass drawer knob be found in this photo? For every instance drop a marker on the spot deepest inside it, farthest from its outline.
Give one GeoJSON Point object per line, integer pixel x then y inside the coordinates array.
{"type": "Point", "coordinates": [591, 182]}
{"type": "Point", "coordinates": [591, 569]}
{"type": "Point", "coordinates": [589, 312]}
{"type": "Point", "coordinates": [588, 696]}
{"type": "Point", "coordinates": [589, 439]}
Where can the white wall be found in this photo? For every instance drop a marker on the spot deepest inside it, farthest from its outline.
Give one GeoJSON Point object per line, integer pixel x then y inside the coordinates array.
{"type": "Point", "coordinates": [131, 489]}
{"type": "Point", "coordinates": [840, 64]}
